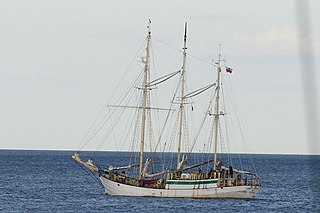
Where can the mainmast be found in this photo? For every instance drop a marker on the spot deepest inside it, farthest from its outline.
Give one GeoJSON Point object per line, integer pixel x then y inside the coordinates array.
{"type": "Point", "coordinates": [182, 92]}
{"type": "Point", "coordinates": [145, 95]}
{"type": "Point", "coordinates": [216, 115]}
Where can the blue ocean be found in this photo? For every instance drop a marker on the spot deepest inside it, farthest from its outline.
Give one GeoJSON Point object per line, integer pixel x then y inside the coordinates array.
{"type": "Point", "coordinates": [49, 181]}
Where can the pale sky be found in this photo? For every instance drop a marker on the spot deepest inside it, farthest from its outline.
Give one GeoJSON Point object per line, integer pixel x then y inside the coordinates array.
{"type": "Point", "coordinates": [60, 59]}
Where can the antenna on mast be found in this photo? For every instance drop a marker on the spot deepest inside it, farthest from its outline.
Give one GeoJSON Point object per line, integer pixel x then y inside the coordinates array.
{"type": "Point", "coordinates": [149, 26]}
{"type": "Point", "coordinates": [185, 32]}
{"type": "Point", "coordinates": [219, 53]}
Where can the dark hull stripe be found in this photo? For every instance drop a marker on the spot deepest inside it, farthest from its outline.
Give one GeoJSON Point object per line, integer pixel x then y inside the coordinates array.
{"type": "Point", "coordinates": [191, 182]}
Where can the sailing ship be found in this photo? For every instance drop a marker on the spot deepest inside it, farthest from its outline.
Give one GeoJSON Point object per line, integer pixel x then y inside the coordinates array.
{"type": "Point", "coordinates": [182, 180]}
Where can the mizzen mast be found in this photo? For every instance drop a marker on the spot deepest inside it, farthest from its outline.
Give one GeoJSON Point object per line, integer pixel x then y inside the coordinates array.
{"type": "Point", "coordinates": [182, 92]}
{"type": "Point", "coordinates": [144, 105]}
{"type": "Point", "coordinates": [216, 115]}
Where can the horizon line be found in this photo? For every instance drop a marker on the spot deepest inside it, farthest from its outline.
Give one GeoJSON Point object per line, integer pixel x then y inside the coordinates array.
{"type": "Point", "coordinates": [89, 150]}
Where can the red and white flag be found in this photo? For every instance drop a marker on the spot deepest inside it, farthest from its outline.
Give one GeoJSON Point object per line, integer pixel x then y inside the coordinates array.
{"type": "Point", "coordinates": [229, 69]}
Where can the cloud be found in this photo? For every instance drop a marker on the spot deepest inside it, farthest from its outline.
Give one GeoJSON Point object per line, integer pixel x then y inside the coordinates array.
{"type": "Point", "coordinates": [277, 40]}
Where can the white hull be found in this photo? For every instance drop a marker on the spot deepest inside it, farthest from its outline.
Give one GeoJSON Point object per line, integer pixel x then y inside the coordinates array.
{"type": "Point", "coordinates": [115, 188]}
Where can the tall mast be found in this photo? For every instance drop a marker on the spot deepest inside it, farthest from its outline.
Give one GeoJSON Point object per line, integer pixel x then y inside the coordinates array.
{"type": "Point", "coordinates": [145, 95]}
{"type": "Point", "coordinates": [182, 91]}
{"type": "Point", "coordinates": [216, 115]}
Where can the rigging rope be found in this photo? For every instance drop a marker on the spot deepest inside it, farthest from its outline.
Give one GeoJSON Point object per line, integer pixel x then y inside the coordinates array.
{"type": "Point", "coordinates": [226, 126]}
{"type": "Point", "coordinates": [171, 46]}
{"type": "Point", "coordinates": [90, 174]}
{"type": "Point", "coordinates": [106, 135]}
{"type": "Point", "coordinates": [203, 121]}
{"type": "Point", "coordinates": [105, 119]}
{"type": "Point", "coordinates": [81, 146]}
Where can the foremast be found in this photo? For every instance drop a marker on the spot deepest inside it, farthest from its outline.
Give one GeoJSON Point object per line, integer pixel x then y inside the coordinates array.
{"type": "Point", "coordinates": [182, 94]}
{"type": "Point", "coordinates": [144, 104]}
{"type": "Point", "coordinates": [217, 114]}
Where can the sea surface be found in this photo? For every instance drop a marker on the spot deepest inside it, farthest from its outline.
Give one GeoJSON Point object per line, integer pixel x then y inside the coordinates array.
{"type": "Point", "coordinates": [49, 181]}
